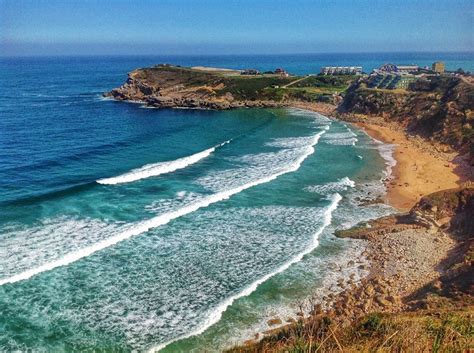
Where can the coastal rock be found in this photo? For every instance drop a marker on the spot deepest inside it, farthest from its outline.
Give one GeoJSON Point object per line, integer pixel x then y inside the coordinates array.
{"type": "Point", "coordinates": [274, 322]}
{"type": "Point", "coordinates": [380, 299]}
{"type": "Point", "coordinates": [369, 290]}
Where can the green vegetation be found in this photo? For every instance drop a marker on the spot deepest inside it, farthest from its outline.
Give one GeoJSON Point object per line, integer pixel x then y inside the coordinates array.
{"type": "Point", "coordinates": [339, 82]}
{"type": "Point", "coordinates": [258, 87]}
{"type": "Point", "coordinates": [319, 88]}
{"type": "Point", "coordinates": [171, 74]}
{"type": "Point", "coordinates": [438, 107]}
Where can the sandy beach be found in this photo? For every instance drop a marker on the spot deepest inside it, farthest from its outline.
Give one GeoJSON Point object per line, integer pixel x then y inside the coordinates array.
{"type": "Point", "coordinates": [421, 168]}
{"type": "Point", "coordinates": [399, 253]}
{"type": "Point", "coordinates": [417, 172]}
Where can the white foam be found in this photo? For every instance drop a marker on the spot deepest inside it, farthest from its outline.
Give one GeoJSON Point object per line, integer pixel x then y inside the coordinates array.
{"type": "Point", "coordinates": [290, 142]}
{"type": "Point", "coordinates": [142, 227]}
{"type": "Point", "coordinates": [180, 194]}
{"type": "Point", "coordinates": [180, 199]}
{"type": "Point", "coordinates": [155, 169]}
{"type": "Point", "coordinates": [339, 135]}
{"type": "Point", "coordinates": [27, 246]}
{"type": "Point", "coordinates": [221, 308]}
{"type": "Point", "coordinates": [342, 142]}
{"type": "Point", "coordinates": [308, 113]}
{"type": "Point", "coordinates": [101, 98]}
{"type": "Point", "coordinates": [341, 138]}
{"type": "Point", "coordinates": [260, 165]}
{"type": "Point", "coordinates": [335, 186]}
{"type": "Point", "coordinates": [386, 152]}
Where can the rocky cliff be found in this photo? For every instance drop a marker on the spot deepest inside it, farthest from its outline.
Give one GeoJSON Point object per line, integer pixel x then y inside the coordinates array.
{"type": "Point", "coordinates": [438, 108]}
{"type": "Point", "coordinates": [166, 86]}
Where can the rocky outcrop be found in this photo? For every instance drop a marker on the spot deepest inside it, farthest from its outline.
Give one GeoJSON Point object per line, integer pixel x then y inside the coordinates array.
{"type": "Point", "coordinates": [447, 210]}
{"type": "Point", "coordinates": [167, 86]}
{"type": "Point", "coordinates": [420, 261]}
{"type": "Point", "coordinates": [134, 89]}
{"type": "Point", "coordinates": [440, 108]}
{"type": "Point", "coordinates": [453, 210]}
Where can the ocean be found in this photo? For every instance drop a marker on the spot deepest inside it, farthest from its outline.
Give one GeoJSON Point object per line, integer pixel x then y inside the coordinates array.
{"type": "Point", "coordinates": [126, 228]}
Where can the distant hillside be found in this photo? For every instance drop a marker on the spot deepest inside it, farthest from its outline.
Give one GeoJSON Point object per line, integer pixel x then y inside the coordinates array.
{"type": "Point", "coordinates": [175, 86]}
{"type": "Point", "coordinates": [438, 108]}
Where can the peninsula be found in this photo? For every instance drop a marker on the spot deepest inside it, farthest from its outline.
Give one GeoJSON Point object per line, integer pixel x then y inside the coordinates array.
{"type": "Point", "coordinates": [168, 86]}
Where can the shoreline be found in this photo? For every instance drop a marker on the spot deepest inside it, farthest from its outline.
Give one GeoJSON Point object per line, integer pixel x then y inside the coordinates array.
{"type": "Point", "coordinates": [421, 167]}
{"type": "Point", "coordinates": [405, 254]}
{"type": "Point", "coordinates": [411, 281]}
{"type": "Point", "coordinates": [417, 172]}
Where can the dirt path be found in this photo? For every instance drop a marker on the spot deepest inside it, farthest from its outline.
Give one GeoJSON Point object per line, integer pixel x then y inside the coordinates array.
{"type": "Point", "coordinates": [296, 81]}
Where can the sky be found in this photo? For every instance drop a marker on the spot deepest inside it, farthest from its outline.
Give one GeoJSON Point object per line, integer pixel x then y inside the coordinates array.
{"type": "Point", "coordinates": [108, 27]}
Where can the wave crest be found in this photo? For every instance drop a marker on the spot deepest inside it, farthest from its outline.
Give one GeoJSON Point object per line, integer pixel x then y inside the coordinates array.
{"type": "Point", "coordinates": [155, 169]}
{"type": "Point", "coordinates": [335, 186]}
{"type": "Point", "coordinates": [216, 314]}
{"type": "Point", "coordinates": [144, 226]}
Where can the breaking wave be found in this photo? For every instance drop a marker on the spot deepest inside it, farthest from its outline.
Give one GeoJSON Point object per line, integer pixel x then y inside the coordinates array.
{"type": "Point", "coordinates": [155, 169]}
{"type": "Point", "coordinates": [332, 187]}
{"type": "Point", "coordinates": [341, 138]}
{"type": "Point", "coordinates": [144, 226]}
{"type": "Point", "coordinates": [216, 314]}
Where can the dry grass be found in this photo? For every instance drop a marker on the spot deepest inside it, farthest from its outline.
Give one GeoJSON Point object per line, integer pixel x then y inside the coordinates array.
{"type": "Point", "coordinates": [420, 331]}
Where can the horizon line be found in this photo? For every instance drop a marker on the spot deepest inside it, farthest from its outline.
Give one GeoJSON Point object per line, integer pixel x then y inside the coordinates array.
{"type": "Point", "coordinates": [237, 54]}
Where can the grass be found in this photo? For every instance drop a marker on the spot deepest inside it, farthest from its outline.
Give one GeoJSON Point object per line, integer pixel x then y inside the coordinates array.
{"type": "Point", "coordinates": [339, 81]}
{"type": "Point", "coordinates": [423, 331]}
{"type": "Point", "coordinates": [318, 90]}
{"type": "Point", "coordinates": [257, 87]}
{"type": "Point", "coordinates": [261, 87]}
{"type": "Point", "coordinates": [389, 91]}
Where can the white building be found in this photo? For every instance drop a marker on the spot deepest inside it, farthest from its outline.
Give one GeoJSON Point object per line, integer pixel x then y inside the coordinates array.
{"type": "Point", "coordinates": [341, 70]}
{"type": "Point", "coordinates": [398, 69]}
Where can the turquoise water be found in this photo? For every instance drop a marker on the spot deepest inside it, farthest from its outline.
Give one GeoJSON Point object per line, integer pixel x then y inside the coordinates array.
{"type": "Point", "coordinates": [125, 228]}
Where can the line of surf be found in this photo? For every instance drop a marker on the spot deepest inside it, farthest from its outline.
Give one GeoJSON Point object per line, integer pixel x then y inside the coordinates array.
{"type": "Point", "coordinates": [386, 151]}
{"type": "Point", "coordinates": [155, 169]}
{"type": "Point", "coordinates": [160, 220]}
{"type": "Point", "coordinates": [222, 307]}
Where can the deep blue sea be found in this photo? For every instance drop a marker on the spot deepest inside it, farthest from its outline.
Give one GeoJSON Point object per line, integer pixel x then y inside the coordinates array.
{"type": "Point", "coordinates": [125, 228]}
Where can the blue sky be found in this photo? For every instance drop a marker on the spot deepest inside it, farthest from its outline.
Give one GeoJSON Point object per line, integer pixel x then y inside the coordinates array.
{"type": "Point", "coordinates": [233, 27]}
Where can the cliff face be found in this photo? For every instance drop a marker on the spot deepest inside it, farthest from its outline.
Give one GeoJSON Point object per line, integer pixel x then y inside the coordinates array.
{"type": "Point", "coordinates": [166, 86]}
{"type": "Point", "coordinates": [451, 209]}
{"type": "Point", "coordinates": [170, 86]}
{"type": "Point", "coordinates": [439, 108]}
